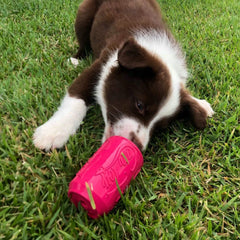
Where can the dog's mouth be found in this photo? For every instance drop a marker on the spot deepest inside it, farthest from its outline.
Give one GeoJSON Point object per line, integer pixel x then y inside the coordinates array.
{"type": "Point", "coordinates": [109, 132]}
{"type": "Point", "coordinates": [135, 140]}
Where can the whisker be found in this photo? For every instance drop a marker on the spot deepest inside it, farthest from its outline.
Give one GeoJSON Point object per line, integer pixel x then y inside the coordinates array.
{"type": "Point", "coordinates": [114, 115]}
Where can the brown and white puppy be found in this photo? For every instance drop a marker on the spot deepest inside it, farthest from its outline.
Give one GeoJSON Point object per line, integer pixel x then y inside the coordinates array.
{"type": "Point", "coordinates": [138, 76]}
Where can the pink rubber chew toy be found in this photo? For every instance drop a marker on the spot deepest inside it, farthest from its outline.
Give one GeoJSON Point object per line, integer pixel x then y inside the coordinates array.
{"type": "Point", "coordinates": [95, 186]}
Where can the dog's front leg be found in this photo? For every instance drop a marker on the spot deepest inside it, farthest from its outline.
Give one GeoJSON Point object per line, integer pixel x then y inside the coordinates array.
{"type": "Point", "coordinates": [67, 119]}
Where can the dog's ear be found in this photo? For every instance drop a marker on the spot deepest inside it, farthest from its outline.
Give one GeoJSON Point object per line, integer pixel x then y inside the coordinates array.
{"type": "Point", "coordinates": [132, 56]}
{"type": "Point", "coordinates": [195, 109]}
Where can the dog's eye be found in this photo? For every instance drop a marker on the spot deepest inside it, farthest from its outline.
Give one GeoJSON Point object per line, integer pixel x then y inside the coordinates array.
{"type": "Point", "coordinates": [140, 106]}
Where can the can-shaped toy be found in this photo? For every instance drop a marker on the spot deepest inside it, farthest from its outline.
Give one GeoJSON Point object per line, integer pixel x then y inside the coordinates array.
{"type": "Point", "coordinates": [98, 183]}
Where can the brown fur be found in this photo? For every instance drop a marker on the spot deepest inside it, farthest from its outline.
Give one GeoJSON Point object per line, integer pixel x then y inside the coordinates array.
{"type": "Point", "coordinates": [136, 64]}
{"type": "Point", "coordinates": [140, 77]}
{"type": "Point", "coordinates": [105, 25]}
{"type": "Point", "coordinates": [191, 109]}
{"type": "Point", "coordinates": [108, 23]}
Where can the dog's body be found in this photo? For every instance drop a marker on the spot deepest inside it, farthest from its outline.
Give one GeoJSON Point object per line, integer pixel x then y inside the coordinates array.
{"type": "Point", "coordinates": [138, 76]}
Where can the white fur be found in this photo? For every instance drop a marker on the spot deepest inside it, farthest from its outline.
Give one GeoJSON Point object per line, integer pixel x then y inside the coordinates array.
{"type": "Point", "coordinates": [170, 54]}
{"type": "Point", "coordinates": [126, 126]}
{"type": "Point", "coordinates": [205, 105]}
{"type": "Point", "coordinates": [66, 120]}
{"type": "Point", "coordinates": [167, 50]}
{"type": "Point", "coordinates": [99, 93]}
{"type": "Point", "coordinates": [74, 61]}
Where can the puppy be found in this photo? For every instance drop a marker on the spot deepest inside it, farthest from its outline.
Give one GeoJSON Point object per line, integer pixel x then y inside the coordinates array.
{"type": "Point", "coordinates": [138, 76]}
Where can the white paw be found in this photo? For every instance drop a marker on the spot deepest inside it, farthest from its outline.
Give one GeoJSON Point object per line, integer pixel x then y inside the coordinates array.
{"type": "Point", "coordinates": [74, 61]}
{"type": "Point", "coordinates": [50, 135]}
{"type": "Point", "coordinates": [206, 105]}
{"type": "Point", "coordinates": [64, 123]}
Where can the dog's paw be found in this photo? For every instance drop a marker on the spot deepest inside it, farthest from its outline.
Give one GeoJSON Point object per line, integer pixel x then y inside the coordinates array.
{"type": "Point", "coordinates": [199, 111]}
{"type": "Point", "coordinates": [64, 123]}
{"type": "Point", "coordinates": [206, 106]}
{"type": "Point", "coordinates": [73, 61]}
{"type": "Point", "coordinates": [50, 136]}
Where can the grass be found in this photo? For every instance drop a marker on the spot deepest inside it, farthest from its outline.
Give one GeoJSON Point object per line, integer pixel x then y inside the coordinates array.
{"type": "Point", "coordinates": [189, 186]}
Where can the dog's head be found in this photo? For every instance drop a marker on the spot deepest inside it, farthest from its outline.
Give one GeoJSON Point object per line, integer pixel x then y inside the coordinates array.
{"type": "Point", "coordinates": [138, 91]}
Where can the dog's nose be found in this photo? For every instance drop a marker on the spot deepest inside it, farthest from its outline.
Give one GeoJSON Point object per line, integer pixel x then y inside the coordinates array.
{"type": "Point", "coordinates": [136, 141]}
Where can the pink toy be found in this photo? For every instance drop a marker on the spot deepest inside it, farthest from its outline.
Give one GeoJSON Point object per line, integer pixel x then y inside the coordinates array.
{"type": "Point", "coordinates": [116, 162]}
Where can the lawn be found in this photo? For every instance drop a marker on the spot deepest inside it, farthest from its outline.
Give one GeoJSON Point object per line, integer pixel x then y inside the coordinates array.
{"type": "Point", "coordinates": [189, 186]}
